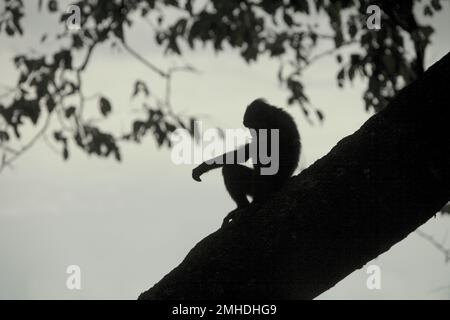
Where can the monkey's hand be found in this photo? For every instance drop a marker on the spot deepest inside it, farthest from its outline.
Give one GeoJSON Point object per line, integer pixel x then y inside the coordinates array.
{"type": "Point", "coordinates": [196, 173]}
{"type": "Point", "coordinates": [232, 216]}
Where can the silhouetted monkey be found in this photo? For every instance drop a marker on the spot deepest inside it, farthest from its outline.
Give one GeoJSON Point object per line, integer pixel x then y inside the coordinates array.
{"type": "Point", "coordinates": [242, 181]}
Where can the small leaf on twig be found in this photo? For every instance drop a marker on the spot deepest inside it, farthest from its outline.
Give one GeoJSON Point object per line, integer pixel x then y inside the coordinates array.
{"type": "Point", "coordinates": [70, 111]}
{"type": "Point", "coordinates": [105, 106]}
{"type": "Point", "coordinates": [140, 86]}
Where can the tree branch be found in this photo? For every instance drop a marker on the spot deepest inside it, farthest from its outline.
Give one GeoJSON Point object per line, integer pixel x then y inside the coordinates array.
{"type": "Point", "coordinates": [373, 189]}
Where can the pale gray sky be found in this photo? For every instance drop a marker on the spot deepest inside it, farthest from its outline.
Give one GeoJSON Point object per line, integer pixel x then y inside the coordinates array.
{"type": "Point", "coordinates": [127, 225]}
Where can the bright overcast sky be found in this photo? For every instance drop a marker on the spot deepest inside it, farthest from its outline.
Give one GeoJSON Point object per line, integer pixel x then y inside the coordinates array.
{"type": "Point", "coordinates": [127, 225]}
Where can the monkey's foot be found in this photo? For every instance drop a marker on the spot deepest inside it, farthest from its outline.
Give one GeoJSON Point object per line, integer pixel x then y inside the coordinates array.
{"type": "Point", "coordinates": [232, 216]}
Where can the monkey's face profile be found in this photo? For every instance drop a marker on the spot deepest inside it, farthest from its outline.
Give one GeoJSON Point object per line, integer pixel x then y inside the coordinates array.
{"type": "Point", "coordinates": [247, 122]}
{"type": "Point", "coordinates": [251, 125]}
{"type": "Point", "coordinates": [256, 115]}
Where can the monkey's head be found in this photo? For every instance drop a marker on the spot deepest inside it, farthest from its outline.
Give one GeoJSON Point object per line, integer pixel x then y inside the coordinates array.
{"type": "Point", "coordinates": [261, 115]}
{"type": "Point", "coordinates": [258, 115]}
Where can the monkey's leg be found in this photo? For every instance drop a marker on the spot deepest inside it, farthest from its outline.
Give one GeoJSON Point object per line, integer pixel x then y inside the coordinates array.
{"type": "Point", "coordinates": [264, 187]}
{"type": "Point", "coordinates": [238, 182]}
{"type": "Point", "coordinates": [232, 216]}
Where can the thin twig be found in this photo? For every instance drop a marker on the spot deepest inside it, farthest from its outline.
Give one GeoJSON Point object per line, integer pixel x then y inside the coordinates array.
{"type": "Point", "coordinates": [167, 75]}
{"type": "Point", "coordinates": [329, 51]}
{"type": "Point", "coordinates": [168, 91]}
{"type": "Point", "coordinates": [170, 72]}
{"type": "Point", "coordinates": [61, 120]}
{"type": "Point", "coordinates": [87, 58]}
{"type": "Point", "coordinates": [7, 161]}
{"type": "Point", "coordinates": [143, 60]}
{"type": "Point", "coordinates": [50, 145]}
{"type": "Point", "coordinates": [435, 243]}
{"type": "Point", "coordinates": [80, 94]}
{"type": "Point", "coordinates": [8, 149]}
{"type": "Point", "coordinates": [79, 70]}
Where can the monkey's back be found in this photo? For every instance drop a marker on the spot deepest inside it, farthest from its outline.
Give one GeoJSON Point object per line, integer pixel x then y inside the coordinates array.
{"type": "Point", "coordinates": [289, 145]}
{"type": "Point", "coordinates": [261, 115]}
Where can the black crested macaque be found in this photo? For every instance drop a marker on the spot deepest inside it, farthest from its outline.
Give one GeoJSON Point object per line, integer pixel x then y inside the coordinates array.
{"type": "Point", "coordinates": [263, 180]}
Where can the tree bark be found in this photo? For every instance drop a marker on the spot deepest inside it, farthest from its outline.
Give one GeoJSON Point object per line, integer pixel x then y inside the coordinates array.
{"type": "Point", "coordinates": [369, 192]}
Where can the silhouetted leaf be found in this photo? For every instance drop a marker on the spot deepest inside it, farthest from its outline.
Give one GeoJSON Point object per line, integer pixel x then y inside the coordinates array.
{"type": "Point", "coordinates": [63, 59]}
{"type": "Point", "coordinates": [288, 19]}
{"type": "Point", "coordinates": [170, 127]}
{"type": "Point", "coordinates": [427, 11]}
{"type": "Point", "coordinates": [194, 129]}
{"type": "Point", "coordinates": [436, 4]}
{"type": "Point", "coordinates": [65, 153]}
{"type": "Point", "coordinates": [59, 136]}
{"type": "Point", "coordinates": [52, 5]}
{"type": "Point", "coordinates": [140, 86]}
{"type": "Point", "coordinates": [51, 104]}
{"type": "Point", "coordinates": [70, 111]}
{"type": "Point", "coordinates": [105, 106]}
{"type": "Point", "coordinates": [221, 133]}
{"type": "Point", "coordinates": [4, 136]}
{"type": "Point", "coordinates": [320, 115]}
{"type": "Point", "coordinates": [340, 77]}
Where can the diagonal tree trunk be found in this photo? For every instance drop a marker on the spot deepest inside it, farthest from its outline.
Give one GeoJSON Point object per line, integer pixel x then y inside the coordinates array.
{"type": "Point", "coordinates": [373, 189]}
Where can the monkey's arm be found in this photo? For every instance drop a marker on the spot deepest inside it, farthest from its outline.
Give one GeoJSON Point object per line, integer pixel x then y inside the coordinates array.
{"type": "Point", "coordinates": [220, 161]}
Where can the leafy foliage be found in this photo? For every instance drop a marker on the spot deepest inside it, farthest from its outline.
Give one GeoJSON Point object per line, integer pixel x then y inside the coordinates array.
{"type": "Point", "coordinates": [279, 29]}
